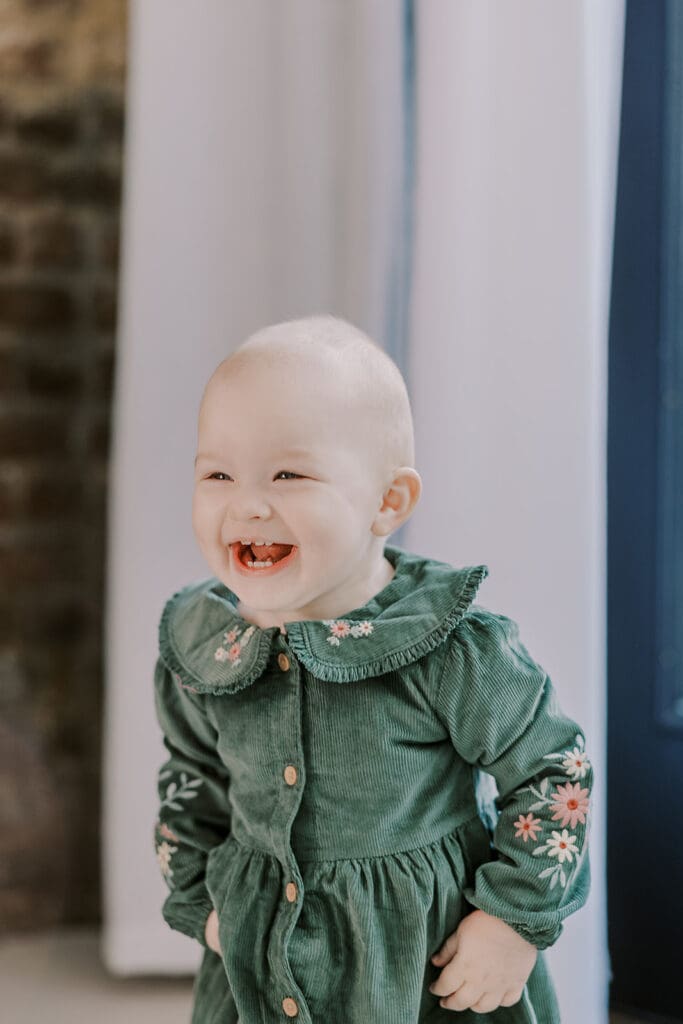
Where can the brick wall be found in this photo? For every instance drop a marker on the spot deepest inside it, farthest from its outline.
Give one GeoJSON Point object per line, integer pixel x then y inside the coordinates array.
{"type": "Point", "coordinates": [62, 67]}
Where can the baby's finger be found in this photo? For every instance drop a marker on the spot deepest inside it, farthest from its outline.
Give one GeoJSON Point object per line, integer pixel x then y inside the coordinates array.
{"type": "Point", "coordinates": [446, 983]}
{"type": "Point", "coordinates": [512, 996]}
{"type": "Point", "coordinates": [464, 999]}
{"type": "Point", "coordinates": [489, 1001]}
{"type": "Point", "coordinates": [447, 950]}
{"type": "Point", "coordinates": [450, 980]}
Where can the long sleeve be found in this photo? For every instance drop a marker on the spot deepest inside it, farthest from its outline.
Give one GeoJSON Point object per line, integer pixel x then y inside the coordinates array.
{"type": "Point", "coordinates": [502, 715]}
{"type": "Point", "coordinates": [193, 810]}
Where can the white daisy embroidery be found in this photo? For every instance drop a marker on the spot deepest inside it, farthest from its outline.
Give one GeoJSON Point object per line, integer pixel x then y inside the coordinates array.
{"type": "Point", "coordinates": [575, 763]}
{"type": "Point", "coordinates": [561, 845]}
{"type": "Point", "coordinates": [164, 852]}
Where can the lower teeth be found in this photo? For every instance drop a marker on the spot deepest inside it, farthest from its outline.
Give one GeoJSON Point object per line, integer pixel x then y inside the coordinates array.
{"type": "Point", "coordinates": [258, 565]}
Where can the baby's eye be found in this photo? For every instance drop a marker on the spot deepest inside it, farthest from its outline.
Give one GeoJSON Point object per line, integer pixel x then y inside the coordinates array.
{"type": "Point", "coordinates": [283, 472]}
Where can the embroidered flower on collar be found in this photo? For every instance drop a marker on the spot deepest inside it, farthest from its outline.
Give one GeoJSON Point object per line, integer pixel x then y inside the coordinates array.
{"type": "Point", "coordinates": [341, 629]}
{"type": "Point", "coordinates": [234, 647]}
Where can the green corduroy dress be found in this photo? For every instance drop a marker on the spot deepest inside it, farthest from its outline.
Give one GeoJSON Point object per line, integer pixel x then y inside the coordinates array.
{"type": "Point", "coordinates": [321, 794]}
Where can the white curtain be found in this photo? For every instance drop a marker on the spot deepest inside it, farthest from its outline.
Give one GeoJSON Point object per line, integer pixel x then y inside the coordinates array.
{"type": "Point", "coordinates": [263, 180]}
{"type": "Point", "coordinates": [518, 120]}
{"type": "Point", "coordinates": [266, 177]}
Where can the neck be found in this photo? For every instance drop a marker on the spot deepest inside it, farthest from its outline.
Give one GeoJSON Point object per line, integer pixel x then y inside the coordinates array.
{"type": "Point", "coordinates": [358, 594]}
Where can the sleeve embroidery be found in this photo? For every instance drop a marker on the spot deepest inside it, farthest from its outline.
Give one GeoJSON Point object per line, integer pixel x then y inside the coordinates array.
{"type": "Point", "coordinates": [174, 793]}
{"type": "Point", "coordinates": [164, 851]}
{"type": "Point", "coordinates": [570, 804]}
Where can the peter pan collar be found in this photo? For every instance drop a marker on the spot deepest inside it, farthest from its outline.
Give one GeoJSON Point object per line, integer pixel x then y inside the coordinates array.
{"type": "Point", "coordinates": [209, 648]}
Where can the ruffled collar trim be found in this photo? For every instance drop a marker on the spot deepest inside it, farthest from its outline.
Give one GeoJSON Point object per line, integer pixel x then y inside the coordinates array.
{"type": "Point", "coordinates": [209, 648]}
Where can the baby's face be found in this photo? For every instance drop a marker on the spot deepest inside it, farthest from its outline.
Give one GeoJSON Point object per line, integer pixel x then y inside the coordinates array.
{"type": "Point", "coordinates": [279, 459]}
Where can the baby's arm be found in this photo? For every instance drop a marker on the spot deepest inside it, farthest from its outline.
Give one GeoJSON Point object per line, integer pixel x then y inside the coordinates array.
{"type": "Point", "coordinates": [502, 714]}
{"type": "Point", "coordinates": [194, 811]}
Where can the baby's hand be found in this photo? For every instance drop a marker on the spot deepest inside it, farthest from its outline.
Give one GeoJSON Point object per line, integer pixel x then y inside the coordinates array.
{"type": "Point", "coordinates": [211, 932]}
{"type": "Point", "coordinates": [485, 965]}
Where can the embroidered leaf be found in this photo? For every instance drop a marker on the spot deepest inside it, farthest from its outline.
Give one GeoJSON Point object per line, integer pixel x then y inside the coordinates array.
{"type": "Point", "coordinates": [183, 778]}
{"type": "Point", "coordinates": [563, 878]}
{"type": "Point", "coordinates": [176, 807]}
{"type": "Point", "coordinates": [546, 872]}
{"type": "Point", "coordinates": [537, 807]}
{"type": "Point", "coordinates": [190, 796]}
{"type": "Point", "coordinates": [165, 775]}
{"type": "Point", "coordinates": [195, 782]}
{"type": "Point", "coordinates": [544, 787]}
{"type": "Point", "coordinates": [539, 850]}
{"type": "Point", "coordinates": [553, 881]}
{"type": "Point", "coordinates": [171, 789]}
{"type": "Point", "coordinates": [553, 757]}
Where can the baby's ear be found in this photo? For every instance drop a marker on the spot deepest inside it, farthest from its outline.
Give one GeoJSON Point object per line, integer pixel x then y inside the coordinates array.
{"type": "Point", "coordinates": [398, 501]}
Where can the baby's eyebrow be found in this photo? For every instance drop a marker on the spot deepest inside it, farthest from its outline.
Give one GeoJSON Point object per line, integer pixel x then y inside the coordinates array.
{"type": "Point", "coordinates": [282, 454]}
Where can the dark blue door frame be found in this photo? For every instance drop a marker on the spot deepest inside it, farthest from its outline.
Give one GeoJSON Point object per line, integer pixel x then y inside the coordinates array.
{"type": "Point", "coordinates": [644, 547]}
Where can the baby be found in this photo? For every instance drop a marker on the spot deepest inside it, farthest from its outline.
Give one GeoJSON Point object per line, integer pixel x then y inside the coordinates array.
{"type": "Point", "coordinates": [327, 701]}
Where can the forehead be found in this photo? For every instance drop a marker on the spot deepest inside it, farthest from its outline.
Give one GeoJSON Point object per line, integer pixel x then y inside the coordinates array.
{"type": "Point", "coordinates": [299, 410]}
{"type": "Point", "coordinates": [299, 404]}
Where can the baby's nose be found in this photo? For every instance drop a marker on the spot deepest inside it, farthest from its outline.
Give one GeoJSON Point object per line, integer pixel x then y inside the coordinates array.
{"type": "Point", "coordinates": [246, 508]}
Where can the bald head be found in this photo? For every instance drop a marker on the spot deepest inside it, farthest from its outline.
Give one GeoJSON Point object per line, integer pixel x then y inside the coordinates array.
{"type": "Point", "coordinates": [347, 367]}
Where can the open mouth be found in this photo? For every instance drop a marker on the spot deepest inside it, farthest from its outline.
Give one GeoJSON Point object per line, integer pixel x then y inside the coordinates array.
{"type": "Point", "coordinates": [261, 560]}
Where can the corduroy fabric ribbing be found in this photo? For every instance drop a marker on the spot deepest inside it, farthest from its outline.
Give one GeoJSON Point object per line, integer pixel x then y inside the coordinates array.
{"type": "Point", "coordinates": [335, 827]}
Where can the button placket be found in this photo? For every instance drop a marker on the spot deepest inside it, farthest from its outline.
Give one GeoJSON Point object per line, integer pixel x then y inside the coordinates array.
{"type": "Point", "coordinates": [290, 774]}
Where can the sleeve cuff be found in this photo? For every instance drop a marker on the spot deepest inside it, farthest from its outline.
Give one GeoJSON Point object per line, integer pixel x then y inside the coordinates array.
{"type": "Point", "coordinates": [541, 938]}
{"type": "Point", "coordinates": [189, 918]}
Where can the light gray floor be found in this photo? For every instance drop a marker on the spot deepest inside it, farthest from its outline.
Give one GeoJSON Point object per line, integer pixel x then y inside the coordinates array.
{"type": "Point", "coordinates": [57, 978]}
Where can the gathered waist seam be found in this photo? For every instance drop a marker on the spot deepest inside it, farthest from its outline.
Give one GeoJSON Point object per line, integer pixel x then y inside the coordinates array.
{"type": "Point", "coordinates": [376, 856]}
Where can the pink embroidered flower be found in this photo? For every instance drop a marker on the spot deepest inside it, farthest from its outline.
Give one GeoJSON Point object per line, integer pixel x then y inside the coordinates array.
{"type": "Point", "coordinates": [234, 653]}
{"type": "Point", "coordinates": [527, 827]}
{"type": "Point", "coordinates": [570, 804]}
{"type": "Point", "coordinates": [340, 628]}
{"type": "Point", "coordinates": [562, 846]}
{"type": "Point", "coordinates": [231, 636]}
{"type": "Point", "coordinates": [165, 831]}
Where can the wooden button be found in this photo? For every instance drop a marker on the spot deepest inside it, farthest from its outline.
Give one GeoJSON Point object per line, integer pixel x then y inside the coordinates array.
{"type": "Point", "coordinates": [290, 1007]}
{"type": "Point", "coordinates": [291, 891]}
{"type": "Point", "coordinates": [290, 774]}
{"type": "Point", "coordinates": [283, 662]}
